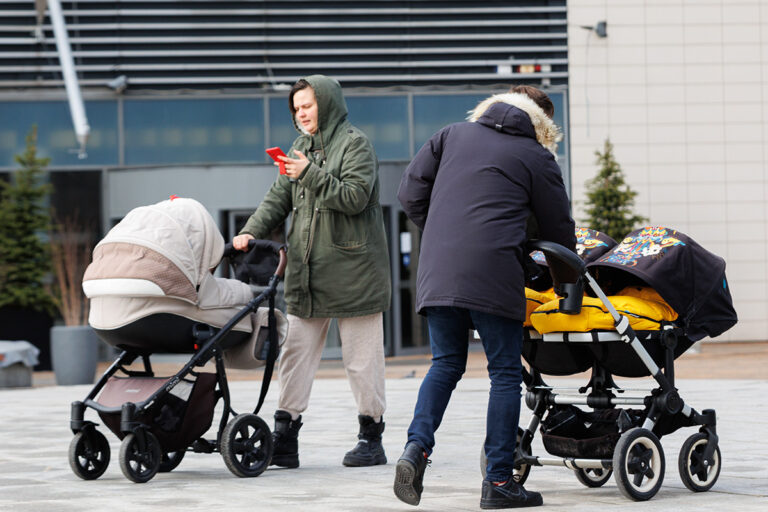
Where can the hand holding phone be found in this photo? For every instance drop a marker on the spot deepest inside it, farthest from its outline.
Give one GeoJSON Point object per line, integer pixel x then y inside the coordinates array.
{"type": "Point", "coordinates": [275, 153]}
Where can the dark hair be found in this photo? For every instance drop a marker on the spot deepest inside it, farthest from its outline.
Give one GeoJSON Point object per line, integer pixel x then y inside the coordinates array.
{"type": "Point", "coordinates": [537, 95]}
{"type": "Point", "coordinates": [301, 84]}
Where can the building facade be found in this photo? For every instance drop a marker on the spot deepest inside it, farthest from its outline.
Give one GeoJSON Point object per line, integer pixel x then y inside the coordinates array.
{"type": "Point", "coordinates": [681, 89]}
{"type": "Point", "coordinates": [183, 97]}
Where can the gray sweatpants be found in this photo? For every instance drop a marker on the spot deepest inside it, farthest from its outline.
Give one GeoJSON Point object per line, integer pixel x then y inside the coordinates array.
{"type": "Point", "coordinates": [362, 349]}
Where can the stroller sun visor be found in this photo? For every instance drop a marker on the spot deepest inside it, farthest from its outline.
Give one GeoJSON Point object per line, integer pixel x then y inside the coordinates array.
{"type": "Point", "coordinates": [590, 245]}
{"type": "Point", "coordinates": [165, 249]}
{"type": "Point", "coordinates": [687, 276]}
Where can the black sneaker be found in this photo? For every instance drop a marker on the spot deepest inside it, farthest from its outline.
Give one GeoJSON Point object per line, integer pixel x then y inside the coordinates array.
{"type": "Point", "coordinates": [509, 495]}
{"type": "Point", "coordinates": [409, 474]}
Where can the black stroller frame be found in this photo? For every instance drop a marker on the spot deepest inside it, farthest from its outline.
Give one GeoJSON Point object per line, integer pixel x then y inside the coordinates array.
{"type": "Point", "coordinates": [245, 441]}
{"type": "Point", "coordinates": [637, 459]}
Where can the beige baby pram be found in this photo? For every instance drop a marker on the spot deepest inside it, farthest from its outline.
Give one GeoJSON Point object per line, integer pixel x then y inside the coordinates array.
{"type": "Point", "coordinates": [152, 290]}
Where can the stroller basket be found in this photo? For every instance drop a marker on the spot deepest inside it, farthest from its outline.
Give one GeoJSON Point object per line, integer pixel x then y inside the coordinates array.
{"type": "Point", "coordinates": [568, 431]}
{"type": "Point", "coordinates": [176, 418]}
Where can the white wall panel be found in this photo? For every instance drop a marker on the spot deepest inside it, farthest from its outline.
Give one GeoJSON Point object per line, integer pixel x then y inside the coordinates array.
{"type": "Point", "coordinates": [693, 77]}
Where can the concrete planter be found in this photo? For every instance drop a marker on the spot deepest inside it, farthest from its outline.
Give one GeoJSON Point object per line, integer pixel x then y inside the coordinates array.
{"type": "Point", "coordinates": [29, 325]}
{"type": "Point", "coordinates": [74, 354]}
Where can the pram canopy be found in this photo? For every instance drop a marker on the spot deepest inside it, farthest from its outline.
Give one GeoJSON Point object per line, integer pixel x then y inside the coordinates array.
{"type": "Point", "coordinates": [151, 277]}
{"type": "Point", "coordinates": [687, 276]}
{"type": "Point", "coordinates": [164, 250]}
{"type": "Point", "coordinates": [590, 245]}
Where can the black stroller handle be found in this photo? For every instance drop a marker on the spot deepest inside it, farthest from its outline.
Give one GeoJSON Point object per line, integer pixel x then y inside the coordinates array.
{"type": "Point", "coordinates": [276, 248]}
{"type": "Point", "coordinates": [255, 248]}
{"type": "Point", "coordinates": [566, 269]}
{"type": "Point", "coordinates": [566, 265]}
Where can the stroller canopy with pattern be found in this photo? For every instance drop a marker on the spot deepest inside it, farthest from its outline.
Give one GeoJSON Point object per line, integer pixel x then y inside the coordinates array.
{"type": "Point", "coordinates": [687, 276]}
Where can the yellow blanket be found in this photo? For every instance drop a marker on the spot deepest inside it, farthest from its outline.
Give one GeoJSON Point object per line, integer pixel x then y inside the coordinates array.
{"type": "Point", "coordinates": [644, 308]}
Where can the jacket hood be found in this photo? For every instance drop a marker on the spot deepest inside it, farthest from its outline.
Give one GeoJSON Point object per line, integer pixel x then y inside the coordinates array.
{"type": "Point", "coordinates": [331, 107]}
{"type": "Point", "coordinates": [512, 121]}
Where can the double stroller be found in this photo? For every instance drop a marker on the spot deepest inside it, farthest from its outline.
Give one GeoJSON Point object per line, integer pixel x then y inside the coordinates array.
{"type": "Point", "coordinates": [648, 300]}
{"type": "Point", "coordinates": [152, 290]}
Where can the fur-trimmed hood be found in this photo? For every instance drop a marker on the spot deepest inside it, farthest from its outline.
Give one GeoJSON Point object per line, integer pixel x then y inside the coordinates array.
{"type": "Point", "coordinates": [545, 130]}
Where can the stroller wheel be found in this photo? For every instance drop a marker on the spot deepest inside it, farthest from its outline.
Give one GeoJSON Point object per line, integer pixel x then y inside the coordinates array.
{"type": "Point", "coordinates": [89, 454]}
{"type": "Point", "coordinates": [638, 464]}
{"type": "Point", "coordinates": [246, 445]}
{"type": "Point", "coordinates": [593, 477]}
{"type": "Point", "coordinates": [694, 472]}
{"type": "Point", "coordinates": [140, 465]}
{"type": "Point", "coordinates": [520, 474]}
{"type": "Point", "coordinates": [170, 461]}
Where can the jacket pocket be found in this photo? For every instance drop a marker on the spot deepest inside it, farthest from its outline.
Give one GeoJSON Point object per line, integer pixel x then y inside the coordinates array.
{"type": "Point", "coordinates": [347, 232]}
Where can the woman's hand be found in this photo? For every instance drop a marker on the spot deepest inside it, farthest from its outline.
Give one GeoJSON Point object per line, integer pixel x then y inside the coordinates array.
{"type": "Point", "coordinates": [240, 242]}
{"type": "Point", "coordinates": [294, 166]}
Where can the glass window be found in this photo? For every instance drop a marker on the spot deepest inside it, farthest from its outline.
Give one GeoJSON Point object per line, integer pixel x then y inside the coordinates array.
{"type": "Point", "coordinates": [414, 332]}
{"type": "Point", "coordinates": [558, 100]}
{"type": "Point", "coordinates": [384, 120]}
{"type": "Point", "coordinates": [193, 130]}
{"type": "Point", "coordinates": [55, 133]}
{"type": "Point", "coordinates": [281, 130]}
{"type": "Point", "coordinates": [432, 113]}
{"type": "Point", "coordinates": [77, 197]}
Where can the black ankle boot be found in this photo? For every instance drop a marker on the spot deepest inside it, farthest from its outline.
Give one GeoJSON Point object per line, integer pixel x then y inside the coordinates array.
{"type": "Point", "coordinates": [369, 451]}
{"type": "Point", "coordinates": [286, 440]}
{"type": "Point", "coordinates": [409, 474]}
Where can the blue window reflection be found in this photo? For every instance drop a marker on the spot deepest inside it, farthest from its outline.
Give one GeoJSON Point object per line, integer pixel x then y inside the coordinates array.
{"type": "Point", "coordinates": [281, 130]}
{"type": "Point", "coordinates": [558, 100]}
{"type": "Point", "coordinates": [384, 119]}
{"type": "Point", "coordinates": [55, 133]}
{"type": "Point", "coordinates": [434, 112]}
{"type": "Point", "coordinates": [193, 130]}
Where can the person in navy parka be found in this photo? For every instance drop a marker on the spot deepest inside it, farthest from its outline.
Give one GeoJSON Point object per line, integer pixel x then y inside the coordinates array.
{"type": "Point", "coordinates": [471, 189]}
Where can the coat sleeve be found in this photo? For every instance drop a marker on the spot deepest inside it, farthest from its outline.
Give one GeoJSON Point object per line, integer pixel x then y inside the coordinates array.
{"type": "Point", "coordinates": [351, 191]}
{"type": "Point", "coordinates": [550, 205]}
{"type": "Point", "coordinates": [272, 211]}
{"type": "Point", "coordinates": [418, 179]}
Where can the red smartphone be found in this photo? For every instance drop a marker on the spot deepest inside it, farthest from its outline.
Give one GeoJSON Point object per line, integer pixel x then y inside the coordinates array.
{"type": "Point", "coordinates": [274, 153]}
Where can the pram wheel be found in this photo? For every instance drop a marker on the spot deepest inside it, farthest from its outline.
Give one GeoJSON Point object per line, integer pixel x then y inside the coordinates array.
{"type": "Point", "coordinates": [593, 477]}
{"type": "Point", "coordinates": [695, 474]}
{"type": "Point", "coordinates": [89, 454]}
{"type": "Point", "coordinates": [520, 475]}
{"type": "Point", "coordinates": [246, 445]}
{"type": "Point", "coordinates": [170, 461]}
{"type": "Point", "coordinates": [638, 464]}
{"type": "Point", "coordinates": [140, 465]}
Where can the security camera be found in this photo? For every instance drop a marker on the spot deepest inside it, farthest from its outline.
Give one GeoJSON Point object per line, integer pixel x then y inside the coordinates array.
{"type": "Point", "coordinates": [118, 84]}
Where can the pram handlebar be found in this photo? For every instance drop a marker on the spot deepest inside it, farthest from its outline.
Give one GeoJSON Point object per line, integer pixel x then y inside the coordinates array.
{"type": "Point", "coordinates": [275, 247]}
{"type": "Point", "coordinates": [564, 258]}
{"type": "Point", "coordinates": [257, 246]}
{"type": "Point", "coordinates": [566, 269]}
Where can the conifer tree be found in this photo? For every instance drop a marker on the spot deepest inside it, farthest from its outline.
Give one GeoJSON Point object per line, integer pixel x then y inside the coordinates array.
{"type": "Point", "coordinates": [25, 261]}
{"type": "Point", "coordinates": [610, 200]}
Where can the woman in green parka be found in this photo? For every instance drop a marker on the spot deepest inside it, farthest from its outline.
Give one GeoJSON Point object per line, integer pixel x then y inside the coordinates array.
{"type": "Point", "coordinates": [338, 264]}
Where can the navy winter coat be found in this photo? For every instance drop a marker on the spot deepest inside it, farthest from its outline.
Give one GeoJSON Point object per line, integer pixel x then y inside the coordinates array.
{"type": "Point", "coordinates": [471, 189]}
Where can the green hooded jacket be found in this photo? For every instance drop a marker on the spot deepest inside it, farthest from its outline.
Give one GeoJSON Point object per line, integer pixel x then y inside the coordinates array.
{"type": "Point", "coordinates": [338, 262]}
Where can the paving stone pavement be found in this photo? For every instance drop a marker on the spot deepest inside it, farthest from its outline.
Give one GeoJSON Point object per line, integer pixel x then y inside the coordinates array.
{"type": "Point", "coordinates": [35, 475]}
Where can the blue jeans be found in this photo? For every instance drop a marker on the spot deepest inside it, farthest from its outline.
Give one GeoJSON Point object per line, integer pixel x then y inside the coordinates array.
{"type": "Point", "coordinates": [449, 338]}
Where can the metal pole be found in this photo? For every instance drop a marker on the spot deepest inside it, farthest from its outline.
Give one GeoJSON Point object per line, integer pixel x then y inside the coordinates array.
{"type": "Point", "coordinates": [76, 106]}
